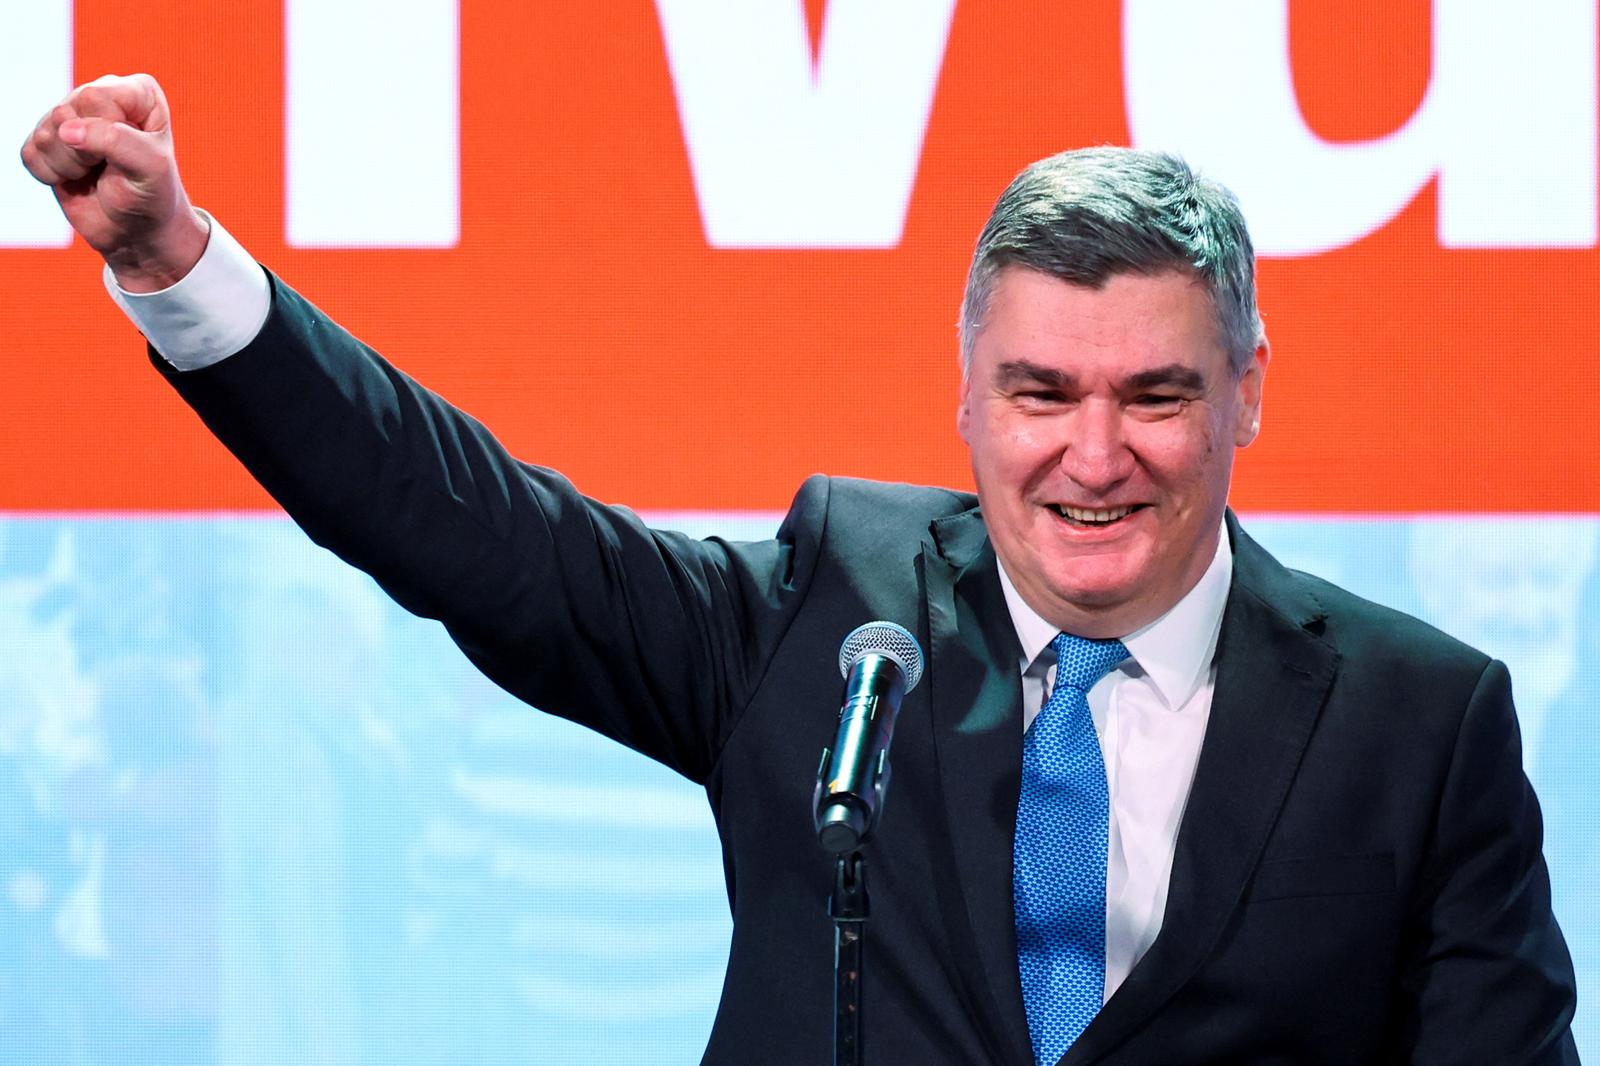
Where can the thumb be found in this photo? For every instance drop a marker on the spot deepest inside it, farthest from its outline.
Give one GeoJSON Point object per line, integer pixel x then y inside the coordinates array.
{"type": "Point", "coordinates": [117, 144]}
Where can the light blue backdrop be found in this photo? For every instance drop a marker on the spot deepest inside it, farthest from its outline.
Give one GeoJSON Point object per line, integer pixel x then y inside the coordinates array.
{"type": "Point", "coordinates": [252, 814]}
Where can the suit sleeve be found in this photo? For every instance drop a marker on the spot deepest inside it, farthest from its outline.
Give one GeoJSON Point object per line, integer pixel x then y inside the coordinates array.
{"type": "Point", "coordinates": [1488, 978]}
{"type": "Point", "coordinates": [652, 638]}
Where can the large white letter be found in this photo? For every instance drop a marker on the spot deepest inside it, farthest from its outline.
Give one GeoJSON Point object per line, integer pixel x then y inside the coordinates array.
{"type": "Point", "coordinates": [372, 123]}
{"type": "Point", "coordinates": [1508, 123]}
{"type": "Point", "coordinates": [35, 72]}
{"type": "Point", "coordinates": [787, 157]}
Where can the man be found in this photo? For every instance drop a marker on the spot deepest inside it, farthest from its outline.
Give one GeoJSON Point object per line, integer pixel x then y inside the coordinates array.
{"type": "Point", "coordinates": [1256, 818]}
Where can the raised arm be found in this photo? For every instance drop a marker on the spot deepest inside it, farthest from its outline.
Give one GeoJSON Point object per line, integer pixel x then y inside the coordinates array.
{"type": "Point", "coordinates": [578, 608]}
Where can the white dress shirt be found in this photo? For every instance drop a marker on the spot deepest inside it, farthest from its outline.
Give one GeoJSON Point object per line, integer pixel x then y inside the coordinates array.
{"type": "Point", "coordinates": [1150, 714]}
{"type": "Point", "coordinates": [212, 312]}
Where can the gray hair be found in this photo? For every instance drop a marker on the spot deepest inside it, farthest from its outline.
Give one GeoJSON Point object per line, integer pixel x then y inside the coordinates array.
{"type": "Point", "coordinates": [1086, 215]}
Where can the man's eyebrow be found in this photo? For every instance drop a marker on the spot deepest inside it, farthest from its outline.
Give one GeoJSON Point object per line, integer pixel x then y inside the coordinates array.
{"type": "Point", "coordinates": [1186, 378]}
{"type": "Point", "coordinates": [1015, 372]}
{"type": "Point", "coordinates": [1019, 372]}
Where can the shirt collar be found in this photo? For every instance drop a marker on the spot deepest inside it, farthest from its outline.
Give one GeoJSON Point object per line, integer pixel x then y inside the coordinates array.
{"type": "Point", "coordinates": [1175, 650]}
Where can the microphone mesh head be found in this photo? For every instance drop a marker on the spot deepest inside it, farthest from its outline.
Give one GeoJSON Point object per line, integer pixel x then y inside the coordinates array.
{"type": "Point", "coordinates": [887, 639]}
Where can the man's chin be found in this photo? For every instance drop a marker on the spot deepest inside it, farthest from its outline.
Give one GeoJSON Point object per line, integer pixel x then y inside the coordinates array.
{"type": "Point", "coordinates": [1079, 592]}
{"type": "Point", "coordinates": [1074, 586]}
{"type": "Point", "coordinates": [1097, 577]}
{"type": "Point", "coordinates": [1093, 597]}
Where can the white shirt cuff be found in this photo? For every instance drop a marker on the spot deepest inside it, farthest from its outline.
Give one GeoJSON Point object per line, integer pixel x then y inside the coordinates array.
{"type": "Point", "coordinates": [213, 311]}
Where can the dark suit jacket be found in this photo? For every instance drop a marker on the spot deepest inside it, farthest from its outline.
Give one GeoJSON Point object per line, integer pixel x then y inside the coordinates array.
{"type": "Point", "coordinates": [1358, 875]}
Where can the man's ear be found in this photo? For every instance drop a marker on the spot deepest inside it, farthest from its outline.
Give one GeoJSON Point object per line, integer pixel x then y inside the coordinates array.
{"type": "Point", "coordinates": [1250, 385]}
{"type": "Point", "coordinates": [963, 413]}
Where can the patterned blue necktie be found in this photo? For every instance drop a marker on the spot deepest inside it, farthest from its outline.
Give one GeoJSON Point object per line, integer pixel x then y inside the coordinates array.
{"type": "Point", "coordinates": [1059, 886]}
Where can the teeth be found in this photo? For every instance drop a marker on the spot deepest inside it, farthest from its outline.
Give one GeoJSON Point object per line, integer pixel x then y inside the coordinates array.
{"type": "Point", "coordinates": [1083, 514]}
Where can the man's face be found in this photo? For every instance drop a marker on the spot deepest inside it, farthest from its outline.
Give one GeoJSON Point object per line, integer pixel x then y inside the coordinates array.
{"type": "Point", "coordinates": [1102, 424]}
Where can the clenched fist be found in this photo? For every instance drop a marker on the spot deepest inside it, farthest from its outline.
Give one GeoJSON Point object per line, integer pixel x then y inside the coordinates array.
{"type": "Point", "coordinates": [106, 150]}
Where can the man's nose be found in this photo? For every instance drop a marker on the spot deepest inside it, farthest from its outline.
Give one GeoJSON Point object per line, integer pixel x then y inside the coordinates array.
{"type": "Point", "coordinates": [1096, 454]}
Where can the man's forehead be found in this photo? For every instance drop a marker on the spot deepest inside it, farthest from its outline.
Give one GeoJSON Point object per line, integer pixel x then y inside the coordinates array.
{"type": "Point", "coordinates": [1130, 324]}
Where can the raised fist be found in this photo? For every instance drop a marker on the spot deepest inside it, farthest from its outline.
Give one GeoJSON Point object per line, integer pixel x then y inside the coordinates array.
{"type": "Point", "coordinates": [106, 150]}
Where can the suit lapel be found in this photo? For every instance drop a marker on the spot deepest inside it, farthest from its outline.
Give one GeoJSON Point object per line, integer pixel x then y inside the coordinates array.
{"type": "Point", "coordinates": [976, 694]}
{"type": "Point", "coordinates": [1273, 673]}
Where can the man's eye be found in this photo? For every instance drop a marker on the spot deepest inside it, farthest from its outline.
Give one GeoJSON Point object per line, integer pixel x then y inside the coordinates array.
{"type": "Point", "coordinates": [1157, 403]}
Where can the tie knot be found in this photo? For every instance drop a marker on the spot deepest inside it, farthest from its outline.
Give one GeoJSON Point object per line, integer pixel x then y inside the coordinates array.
{"type": "Point", "coordinates": [1081, 662]}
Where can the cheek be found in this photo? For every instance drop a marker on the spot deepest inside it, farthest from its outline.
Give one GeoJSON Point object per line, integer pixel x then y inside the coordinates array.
{"type": "Point", "coordinates": [1174, 447]}
{"type": "Point", "coordinates": [1019, 447]}
{"type": "Point", "coordinates": [1029, 441]}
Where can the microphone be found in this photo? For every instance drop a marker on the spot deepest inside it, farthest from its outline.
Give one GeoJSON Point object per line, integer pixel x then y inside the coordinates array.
{"type": "Point", "coordinates": [880, 662]}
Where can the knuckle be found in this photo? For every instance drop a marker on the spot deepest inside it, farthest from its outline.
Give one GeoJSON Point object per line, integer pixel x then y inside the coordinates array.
{"type": "Point", "coordinates": [45, 172]}
{"type": "Point", "coordinates": [92, 95]}
{"type": "Point", "coordinates": [151, 88]}
{"type": "Point", "coordinates": [61, 113]}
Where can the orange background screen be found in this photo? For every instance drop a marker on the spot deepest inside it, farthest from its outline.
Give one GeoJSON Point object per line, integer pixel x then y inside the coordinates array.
{"type": "Point", "coordinates": [584, 316]}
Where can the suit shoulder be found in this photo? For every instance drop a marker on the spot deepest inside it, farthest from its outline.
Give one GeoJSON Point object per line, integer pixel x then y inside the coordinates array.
{"type": "Point", "coordinates": [846, 503]}
{"type": "Point", "coordinates": [924, 502]}
{"type": "Point", "coordinates": [857, 523]}
{"type": "Point", "coordinates": [1370, 633]}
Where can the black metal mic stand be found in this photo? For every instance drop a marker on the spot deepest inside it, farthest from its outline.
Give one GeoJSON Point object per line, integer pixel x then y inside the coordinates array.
{"type": "Point", "coordinates": [848, 907]}
{"type": "Point", "coordinates": [881, 662]}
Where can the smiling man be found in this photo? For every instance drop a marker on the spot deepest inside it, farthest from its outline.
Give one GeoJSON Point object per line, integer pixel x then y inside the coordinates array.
{"type": "Point", "coordinates": [1159, 800]}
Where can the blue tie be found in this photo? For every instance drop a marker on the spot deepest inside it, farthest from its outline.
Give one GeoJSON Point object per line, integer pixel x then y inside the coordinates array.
{"type": "Point", "coordinates": [1059, 885]}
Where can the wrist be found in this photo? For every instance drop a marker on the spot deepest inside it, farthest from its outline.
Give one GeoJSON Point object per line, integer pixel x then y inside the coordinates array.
{"type": "Point", "coordinates": [165, 259]}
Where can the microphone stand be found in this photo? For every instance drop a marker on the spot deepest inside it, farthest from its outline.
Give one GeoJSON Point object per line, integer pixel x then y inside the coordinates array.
{"type": "Point", "coordinates": [849, 908]}
{"type": "Point", "coordinates": [880, 662]}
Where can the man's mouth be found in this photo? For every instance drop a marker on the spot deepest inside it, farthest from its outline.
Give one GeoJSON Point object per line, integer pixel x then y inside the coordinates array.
{"type": "Point", "coordinates": [1094, 517]}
